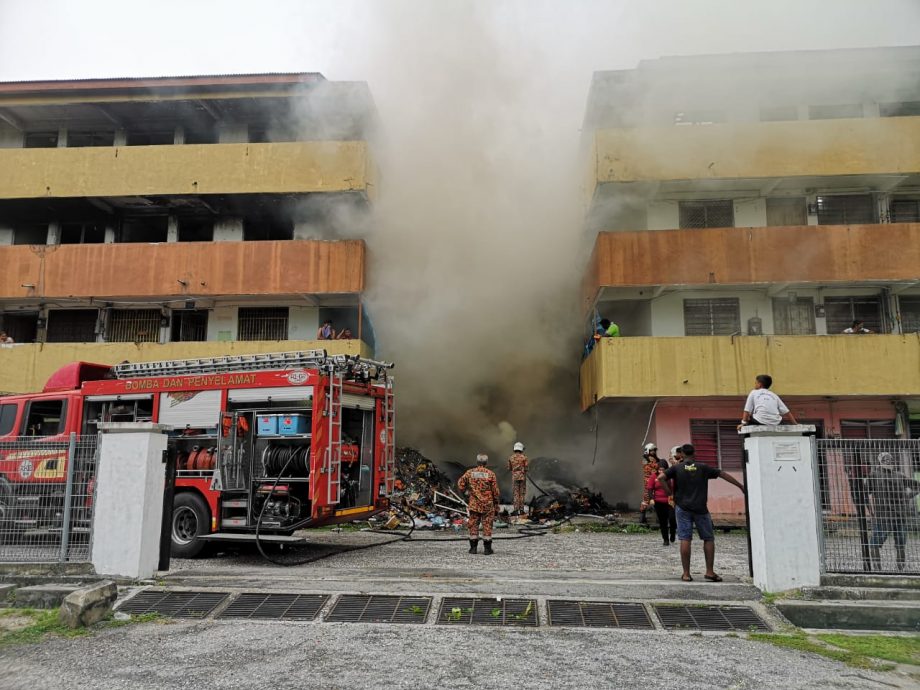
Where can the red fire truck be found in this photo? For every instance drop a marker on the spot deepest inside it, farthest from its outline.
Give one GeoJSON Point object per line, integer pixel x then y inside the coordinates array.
{"type": "Point", "coordinates": [263, 444]}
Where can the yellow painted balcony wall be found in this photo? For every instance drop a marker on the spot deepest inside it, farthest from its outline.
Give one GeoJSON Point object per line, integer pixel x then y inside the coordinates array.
{"type": "Point", "coordinates": [279, 168]}
{"type": "Point", "coordinates": [692, 366]}
{"type": "Point", "coordinates": [25, 368]}
{"type": "Point", "coordinates": [870, 146]}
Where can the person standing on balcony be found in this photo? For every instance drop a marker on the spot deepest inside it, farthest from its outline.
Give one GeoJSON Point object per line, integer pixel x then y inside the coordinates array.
{"type": "Point", "coordinates": [763, 406]}
{"type": "Point", "coordinates": [5, 339]}
{"type": "Point", "coordinates": [856, 328]}
{"type": "Point", "coordinates": [326, 331]}
{"type": "Point", "coordinates": [344, 334]}
{"type": "Point", "coordinates": [691, 494]}
{"type": "Point", "coordinates": [611, 330]}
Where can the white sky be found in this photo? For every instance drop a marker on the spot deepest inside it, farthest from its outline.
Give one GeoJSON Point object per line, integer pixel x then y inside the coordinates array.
{"type": "Point", "coordinates": [64, 39]}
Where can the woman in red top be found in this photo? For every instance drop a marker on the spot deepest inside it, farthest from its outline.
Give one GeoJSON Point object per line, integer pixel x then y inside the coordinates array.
{"type": "Point", "coordinates": [664, 508]}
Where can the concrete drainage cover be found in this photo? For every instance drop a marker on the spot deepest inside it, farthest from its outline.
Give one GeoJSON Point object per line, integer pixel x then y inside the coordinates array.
{"type": "Point", "coordinates": [174, 604]}
{"type": "Point", "coordinates": [364, 608]}
{"type": "Point", "coordinates": [475, 611]}
{"type": "Point", "coordinates": [598, 614]}
{"type": "Point", "coordinates": [739, 618]}
{"type": "Point", "coordinates": [288, 607]}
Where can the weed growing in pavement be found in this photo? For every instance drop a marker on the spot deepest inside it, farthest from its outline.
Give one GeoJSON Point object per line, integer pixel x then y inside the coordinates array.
{"type": "Point", "coordinates": [47, 623]}
{"type": "Point", "coordinates": [602, 527]}
{"type": "Point", "coordinates": [861, 655]}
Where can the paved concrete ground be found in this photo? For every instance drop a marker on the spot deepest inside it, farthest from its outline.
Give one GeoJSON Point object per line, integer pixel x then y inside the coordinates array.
{"type": "Point", "coordinates": [219, 654]}
{"type": "Point", "coordinates": [340, 655]}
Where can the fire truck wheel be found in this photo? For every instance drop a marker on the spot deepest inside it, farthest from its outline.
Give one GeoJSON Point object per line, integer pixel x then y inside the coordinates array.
{"type": "Point", "coordinates": [190, 519]}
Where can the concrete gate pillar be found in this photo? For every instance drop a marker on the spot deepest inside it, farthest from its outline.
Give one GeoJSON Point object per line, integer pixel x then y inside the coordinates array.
{"type": "Point", "coordinates": [128, 507]}
{"type": "Point", "coordinates": [785, 548]}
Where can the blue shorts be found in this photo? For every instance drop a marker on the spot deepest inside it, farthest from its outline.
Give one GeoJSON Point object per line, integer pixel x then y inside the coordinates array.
{"type": "Point", "coordinates": [686, 520]}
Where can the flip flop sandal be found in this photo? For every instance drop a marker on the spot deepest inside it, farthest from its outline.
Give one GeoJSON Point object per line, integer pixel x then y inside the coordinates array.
{"type": "Point", "coordinates": [687, 578]}
{"type": "Point", "coordinates": [713, 578]}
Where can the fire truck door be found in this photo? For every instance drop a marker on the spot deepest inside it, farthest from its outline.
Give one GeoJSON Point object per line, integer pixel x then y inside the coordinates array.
{"type": "Point", "coordinates": [366, 470]}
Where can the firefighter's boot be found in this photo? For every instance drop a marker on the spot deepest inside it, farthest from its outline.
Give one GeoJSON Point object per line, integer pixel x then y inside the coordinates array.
{"type": "Point", "coordinates": [901, 558]}
{"type": "Point", "coordinates": [474, 545]}
{"type": "Point", "coordinates": [875, 558]}
{"type": "Point", "coordinates": [488, 547]}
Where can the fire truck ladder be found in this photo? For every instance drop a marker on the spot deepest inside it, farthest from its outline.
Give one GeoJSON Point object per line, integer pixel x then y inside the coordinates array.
{"type": "Point", "coordinates": [389, 448]}
{"type": "Point", "coordinates": [333, 464]}
{"type": "Point", "coordinates": [217, 365]}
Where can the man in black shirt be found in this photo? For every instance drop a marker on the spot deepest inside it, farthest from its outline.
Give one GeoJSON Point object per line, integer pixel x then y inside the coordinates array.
{"type": "Point", "coordinates": [691, 494]}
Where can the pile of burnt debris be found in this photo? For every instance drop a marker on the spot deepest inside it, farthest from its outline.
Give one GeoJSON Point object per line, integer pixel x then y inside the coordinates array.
{"type": "Point", "coordinates": [429, 494]}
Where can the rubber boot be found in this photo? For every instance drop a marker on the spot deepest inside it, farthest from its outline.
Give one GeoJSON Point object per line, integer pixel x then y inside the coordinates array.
{"type": "Point", "coordinates": [488, 547]}
{"type": "Point", "coordinates": [875, 558]}
{"type": "Point", "coordinates": [474, 545]}
{"type": "Point", "coordinates": [642, 519]}
{"type": "Point", "coordinates": [901, 559]}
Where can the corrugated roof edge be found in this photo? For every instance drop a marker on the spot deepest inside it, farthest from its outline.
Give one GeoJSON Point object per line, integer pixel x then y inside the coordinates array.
{"type": "Point", "coordinates": [162, 82]}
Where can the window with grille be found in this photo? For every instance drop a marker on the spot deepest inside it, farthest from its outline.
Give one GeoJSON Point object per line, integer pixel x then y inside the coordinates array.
{"type": "Point", "coordinates": [40, 140]}
{"type": "Point", "coordinates": [905, 210]}
{"type": "Point", "coordinates": [72, 325]}
{"type": "Point", "coordinates": [867, 428]}
{"type": "Point", "coordinates": [909, 308]}
{"type": "Point", "coordinates": [134, 326]}
{"type": "Point", "coordinates": [833, 112]}
{"type": "Point", "coordinates": [22, 328]}
{"type": "Point", "coordinates": [77, 139]}
{"type": "Point", "coordinates": [786, 211]}
{"type": "Point", "coordinates": [82, 233]}
{"type": "Point", "coordinates": [707, 214]}
{"type": "Point", "coordinates": [718, 443]}
{"type": "Point", "coordinates": [901, 109]}
{"type": "Point", "coordinates": [846, 209]}
{"type": "Point", "coordinates": [712, 316]}
{"type": "Point", "coordinates": [156, 137]}
{"type": "Point", "coordinates": [260, 323]}
{"type": "Point", "coordinates": [190, 326]}
{"type": "Point", "coordinates": [841, 312]}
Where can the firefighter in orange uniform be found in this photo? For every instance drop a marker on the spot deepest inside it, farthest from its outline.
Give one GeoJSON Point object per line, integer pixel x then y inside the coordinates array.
{"type": "Point", "coordinates": [482, 486]}
{"type": "Point", "coordinates": [517, 465]}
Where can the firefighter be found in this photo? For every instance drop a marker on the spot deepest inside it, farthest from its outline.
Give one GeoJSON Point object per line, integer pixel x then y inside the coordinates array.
{"type": "Point", "coordinates": [517, 465]}
{"type": "Point", "coordinates": [482, 486]}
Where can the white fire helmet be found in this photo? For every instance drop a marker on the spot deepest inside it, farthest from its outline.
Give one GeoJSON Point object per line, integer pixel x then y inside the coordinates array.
{"type": "Point", "coordinates": [518, 447]}
{"type": "Point", "coordinates": [649, 447]}
{"type": "Point", "coordinates": [886, 459]}
{"type": "Point", "coordinates": [482, 458]}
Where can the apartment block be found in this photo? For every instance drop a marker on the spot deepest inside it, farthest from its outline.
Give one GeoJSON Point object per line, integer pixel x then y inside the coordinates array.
{"type": "Point", "coordinates": [180, 217]}
{"type": "Point", "coordinates": [745, 210]}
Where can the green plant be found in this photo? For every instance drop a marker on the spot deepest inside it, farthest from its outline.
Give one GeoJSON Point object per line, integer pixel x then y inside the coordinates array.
{"type": "Point", "coordinates": [44, 622]}
{"type": "Point", "coordinates": [903, 650]}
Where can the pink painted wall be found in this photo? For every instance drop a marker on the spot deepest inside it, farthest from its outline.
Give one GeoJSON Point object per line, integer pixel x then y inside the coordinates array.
{"type": "Point", "coordinates": [671, 427]}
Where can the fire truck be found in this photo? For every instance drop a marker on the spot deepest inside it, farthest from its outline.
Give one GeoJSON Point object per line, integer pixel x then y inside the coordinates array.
{"type": "Point", "coordinates": [263, 444]}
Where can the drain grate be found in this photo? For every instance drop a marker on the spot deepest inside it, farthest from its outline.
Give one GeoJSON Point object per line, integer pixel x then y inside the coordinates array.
{"type": "Point", "coordinates": [507, 612]}
{"type": "Point", "coordinates": [598, 614]}
{"type": "Point", "coordinates": [174, 604]}
{"type": "Point", "coordinates": [289, 607]}
{"type": "Point", "coordinates": [709, 618]}
{"type": "Point", "coordinates": [364, 608]}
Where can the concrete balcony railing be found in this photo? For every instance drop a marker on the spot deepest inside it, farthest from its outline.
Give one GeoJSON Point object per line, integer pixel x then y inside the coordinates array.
{"type": "Point", "coordinates": [278, 168]}
{"type": "Point", "coordinates": [749, 256]}
{"type": "Point", "coordinates": [823, 365]}
{"type": "Point", "coordinates": [871, 146]}
{"type": "Point", "coordinates": [184, 269]}
{"type": "Point", "coordinates": [26, 368]}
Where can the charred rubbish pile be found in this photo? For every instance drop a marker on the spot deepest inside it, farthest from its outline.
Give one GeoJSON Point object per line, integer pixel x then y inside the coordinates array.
{"type": "Point", "coordinates": [428, 494]}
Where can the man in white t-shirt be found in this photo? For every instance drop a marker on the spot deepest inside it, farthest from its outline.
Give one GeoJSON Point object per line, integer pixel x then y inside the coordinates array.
{"type": "Point", "coordinates": [763, 406]}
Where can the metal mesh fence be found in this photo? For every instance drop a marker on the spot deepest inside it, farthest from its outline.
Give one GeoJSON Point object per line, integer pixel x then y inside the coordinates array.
{"type": "Point", "coordinates": [870, 495]}
{"type": "Point", "coordinates": [46, 499]}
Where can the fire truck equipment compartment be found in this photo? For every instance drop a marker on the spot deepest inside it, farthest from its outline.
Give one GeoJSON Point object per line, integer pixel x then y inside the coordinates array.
{"type": "Point", "coordinates": [268, 424]}
{"type": "Point", "coordinates": [292, 424]}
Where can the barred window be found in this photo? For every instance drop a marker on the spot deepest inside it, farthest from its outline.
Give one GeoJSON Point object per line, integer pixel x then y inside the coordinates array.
{"type": "Point", "coordinates": [846, 209]}
{"type": "Point", "coordinates": [260, 323]}
{"type": "Point", "coordinates": [867, 428]}
{"type": "Point", "coordinates": [707, 214]}
{"type": "Point", "coordinates": [905, 210]}
{"type": "Point", "coordinates": [718, 443]}
{"type": "Point", "coordinates": [72, 325]}
{"type": "Point", "coordinates": [134, 326]}
{"type": "Point", "coordinates": [909, 308]}
{"type": "Point", "coordinates": [190, 326]}
{"type": "Point", "coordinates": [841, 312]}
{"type": "Point", "coordinates": [712, 316]}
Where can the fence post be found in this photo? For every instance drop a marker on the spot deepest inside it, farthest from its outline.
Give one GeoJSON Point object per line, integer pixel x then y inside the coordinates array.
{"type": "Point", "coordinates": [68, 496]}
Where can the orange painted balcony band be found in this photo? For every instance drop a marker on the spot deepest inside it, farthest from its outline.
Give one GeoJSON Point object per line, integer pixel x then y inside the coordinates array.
{"type": "Point", "coordinates": [176, 270]}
